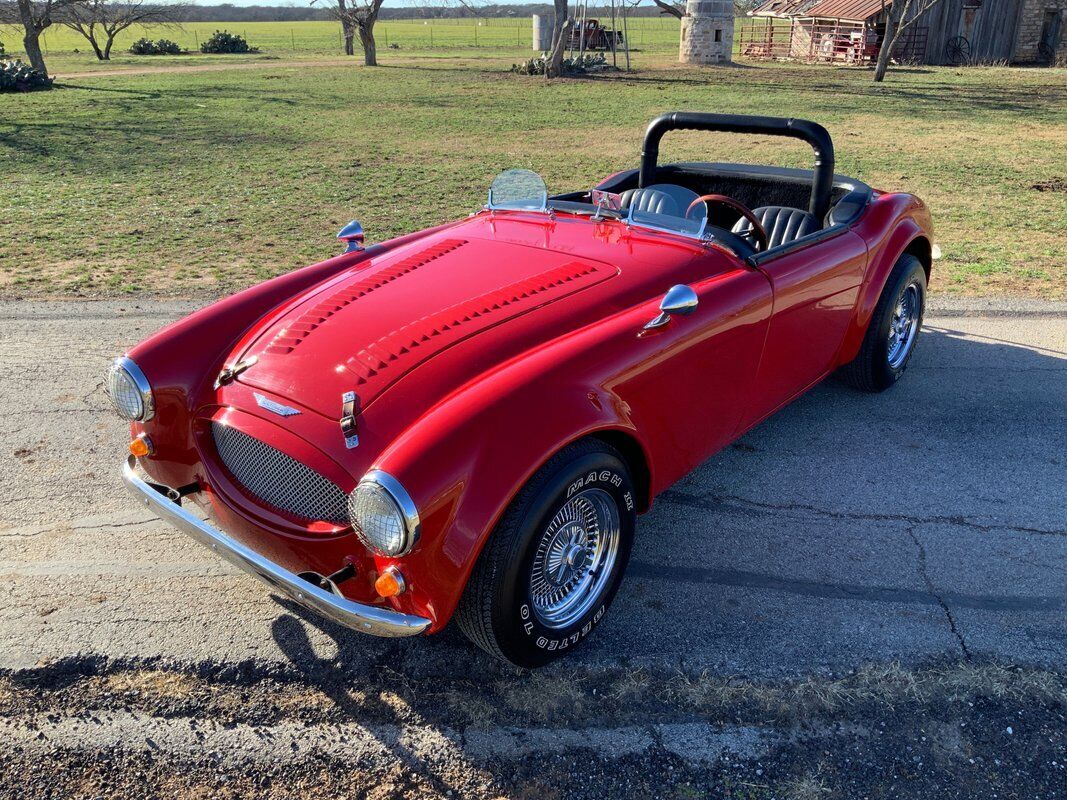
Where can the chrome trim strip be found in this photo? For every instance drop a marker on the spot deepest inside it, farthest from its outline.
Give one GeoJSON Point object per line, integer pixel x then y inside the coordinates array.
{"type": "Point", "coordinates": [366, 619]}
{"type": "Point", "coordinates": [403, 501]}
{"type": "Point", "coordinates": [143, 386]}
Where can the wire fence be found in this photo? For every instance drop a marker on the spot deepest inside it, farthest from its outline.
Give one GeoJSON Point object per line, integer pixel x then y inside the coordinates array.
{"type": "Point", "coordinates": [506, 33]}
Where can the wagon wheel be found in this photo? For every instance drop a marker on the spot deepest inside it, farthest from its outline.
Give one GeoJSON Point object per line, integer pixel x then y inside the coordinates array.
{"type": "Point", "coordinates": [958, 50]}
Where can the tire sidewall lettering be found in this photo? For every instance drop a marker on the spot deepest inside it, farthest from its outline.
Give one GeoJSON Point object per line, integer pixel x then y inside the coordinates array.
{"type": "Point", "coordinates": [549, 643]}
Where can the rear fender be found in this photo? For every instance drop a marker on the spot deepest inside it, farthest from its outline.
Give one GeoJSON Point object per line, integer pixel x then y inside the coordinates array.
{"type": "Point", "coordinates": [905, 220]}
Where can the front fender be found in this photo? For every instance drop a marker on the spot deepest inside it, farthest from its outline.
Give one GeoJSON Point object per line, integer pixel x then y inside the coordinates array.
{"type": "Point", "coordinates": [182, 360]}
{"type": "Point", "coordinates": [465, 460]}
{"type": "Point", "coordinates": [891, 225]}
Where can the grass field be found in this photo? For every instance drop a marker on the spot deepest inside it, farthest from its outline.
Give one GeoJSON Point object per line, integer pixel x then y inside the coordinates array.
{"type": "Point", "coordinates": [489, 37]}
{"type": "Point", "coordinates": [203, 182]}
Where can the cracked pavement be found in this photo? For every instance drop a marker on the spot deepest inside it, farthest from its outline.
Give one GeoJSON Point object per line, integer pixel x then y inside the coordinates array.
{"type": "Point", "coordinates": [849, 530]}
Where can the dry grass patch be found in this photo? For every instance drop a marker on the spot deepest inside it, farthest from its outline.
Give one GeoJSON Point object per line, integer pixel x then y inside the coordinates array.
{"type": "Point", "coordinates": [149, 684]}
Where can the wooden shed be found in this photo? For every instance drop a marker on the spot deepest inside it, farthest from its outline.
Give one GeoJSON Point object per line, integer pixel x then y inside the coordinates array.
{"type": "Point", "coordinates": [951, 32]}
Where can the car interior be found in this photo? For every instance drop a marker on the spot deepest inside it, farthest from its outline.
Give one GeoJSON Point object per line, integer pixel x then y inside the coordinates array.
{"type": "Point", "coordinates": [794, 206]}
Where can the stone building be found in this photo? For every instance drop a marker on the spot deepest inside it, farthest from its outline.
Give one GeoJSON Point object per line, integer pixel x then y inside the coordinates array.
{"type": "Point", "coordinates": [707, 32]}
{"type": "Point", "coordinates": [1039, 38]}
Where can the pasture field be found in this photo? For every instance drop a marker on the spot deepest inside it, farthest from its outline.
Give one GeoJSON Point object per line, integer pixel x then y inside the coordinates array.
{"type": "Point", "coordinates": [490, 37]}
{"type": "Point", "coordinates": [201, 182]}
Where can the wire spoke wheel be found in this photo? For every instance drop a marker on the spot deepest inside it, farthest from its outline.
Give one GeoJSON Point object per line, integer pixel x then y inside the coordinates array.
{"type": "Point", "coordinates": [958, 50]}
{"type": "Point", "coordinates": [904, 325]}
{"type": "Point", "coordinates": [574, 559]}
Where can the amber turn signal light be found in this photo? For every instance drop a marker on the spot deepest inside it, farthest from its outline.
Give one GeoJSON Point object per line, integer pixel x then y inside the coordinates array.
{"type": "Point", "coordinates": [141, 446]}
{"type": "Point", "coordinates": [390, 583]}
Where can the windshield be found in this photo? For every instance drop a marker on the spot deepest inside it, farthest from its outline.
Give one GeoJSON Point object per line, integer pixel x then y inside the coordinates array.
{"type": "Point", "coordinates": [667, 207]}
{"type": "Point", "coordinates": [518, 189]}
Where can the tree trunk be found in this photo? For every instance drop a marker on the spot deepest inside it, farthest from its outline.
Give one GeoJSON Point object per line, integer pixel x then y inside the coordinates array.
{"type": "Point", "coordinates": [884, 52]}
{"type": "Point", "coordinates": [366, 39]}
{"type": "Point", "coordinates": [107, 47]}
{"type": "Point", "coordinates": [31, 43]}
{"type": "Point", "coordinates": [350, 38]}
{"type": "Point", "coordinates": [31, 39]}
{"type": "Point", "coordinates": [100, 54]}
{"type": "Point", "coordinates": [560, 28]}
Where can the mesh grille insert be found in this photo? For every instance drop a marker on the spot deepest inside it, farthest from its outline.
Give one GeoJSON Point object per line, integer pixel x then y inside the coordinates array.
{"type": "Point", "coordinates": [280, 481]}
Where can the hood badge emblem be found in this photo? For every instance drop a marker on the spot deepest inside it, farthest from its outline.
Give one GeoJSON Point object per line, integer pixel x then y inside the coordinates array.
{"type": "Point", "coordinates": [276, 407]}
{"type": "Point", "coordinates": [349, 410]}
{"type": "Point", "coordinates": [229, 373]}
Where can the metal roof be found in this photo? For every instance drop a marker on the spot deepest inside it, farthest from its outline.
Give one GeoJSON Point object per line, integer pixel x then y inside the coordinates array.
{"type": "Point", "coordinates": [857, 10]}
{"type": "Point", "coordinates": [782, 8]}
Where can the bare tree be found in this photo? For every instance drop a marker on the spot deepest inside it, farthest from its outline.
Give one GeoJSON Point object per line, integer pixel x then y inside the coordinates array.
{"type": "Point", "coordinates": [560, 33]}
{"type": "Point", "coordinates": [359, 17]}
{"type": "Point", "coordinates": [35, 16]}
{"type": "Point", "coordinates": [674, 9]}
{"type": "Point", "coordinates": [901, 14]}
{"type": "Point", "coordinates": [102, 20]}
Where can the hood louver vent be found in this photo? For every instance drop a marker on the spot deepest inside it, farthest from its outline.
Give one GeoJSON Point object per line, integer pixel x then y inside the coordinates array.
{"type": "Point", "coordinates": [288, 339]}
{"type": "Point", "coordinates": [539, 289]}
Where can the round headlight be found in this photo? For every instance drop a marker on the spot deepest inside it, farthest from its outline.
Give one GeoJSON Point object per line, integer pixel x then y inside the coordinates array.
{"type": "Point", "coordinates": [383, 515]}
{"type": "Point", "coordinates": [128, 389]}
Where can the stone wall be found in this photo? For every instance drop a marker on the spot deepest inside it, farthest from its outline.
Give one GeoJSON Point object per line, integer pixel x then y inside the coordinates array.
{"type": "Point", "coordinates": [707, 32]}
{"type": "Point", "coordinates": [1031, 24]}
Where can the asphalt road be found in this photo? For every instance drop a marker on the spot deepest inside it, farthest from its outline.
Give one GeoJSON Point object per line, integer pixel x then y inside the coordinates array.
{"type": "Point", "coordinates": [849, 532]}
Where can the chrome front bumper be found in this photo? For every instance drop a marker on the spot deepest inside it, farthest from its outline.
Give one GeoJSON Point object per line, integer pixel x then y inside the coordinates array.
{"type": "Point", "coordinates": [366, 619]}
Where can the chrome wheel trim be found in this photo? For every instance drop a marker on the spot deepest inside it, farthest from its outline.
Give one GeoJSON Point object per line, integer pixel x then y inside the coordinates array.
{"type": "Point", "coordinates": [574, 559]}
{"type": "Point", "coordinates": [904, 326]}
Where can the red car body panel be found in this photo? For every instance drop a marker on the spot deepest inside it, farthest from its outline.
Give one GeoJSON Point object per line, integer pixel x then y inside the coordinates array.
{"type": "Point", "coordinates": [480, 348]}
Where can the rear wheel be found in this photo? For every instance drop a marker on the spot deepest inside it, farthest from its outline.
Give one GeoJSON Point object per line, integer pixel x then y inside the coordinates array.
{"type": "Point", "coordinates": [893, 331]}
{"type": "Point", "coordinates": [553, 564]}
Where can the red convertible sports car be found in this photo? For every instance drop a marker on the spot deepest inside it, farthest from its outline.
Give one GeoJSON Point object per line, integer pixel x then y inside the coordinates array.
{"type": "Point", "coordinates": [466, 421]}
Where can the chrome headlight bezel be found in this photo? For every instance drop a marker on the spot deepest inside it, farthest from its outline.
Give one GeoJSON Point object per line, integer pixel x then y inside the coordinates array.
{"type": "Point", "coordinates": [125, 371]}
{"type": "Point", "coordinates": [398, 503]}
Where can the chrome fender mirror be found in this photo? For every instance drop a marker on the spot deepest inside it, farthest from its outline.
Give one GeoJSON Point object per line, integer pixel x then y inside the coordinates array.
{"type": "Point", "coordinates": [352, 235]}
{"type": "Point", "coordinates": [679, 300]}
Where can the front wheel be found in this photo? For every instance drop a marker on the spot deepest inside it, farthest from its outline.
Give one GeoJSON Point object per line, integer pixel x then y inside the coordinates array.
{"type": "Point", "coordinates": [893, 331]}
{"type": "Point", "coordinates": [553, 564]}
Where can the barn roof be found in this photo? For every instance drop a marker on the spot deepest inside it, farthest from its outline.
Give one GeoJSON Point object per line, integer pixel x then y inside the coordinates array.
{"type": "Point", "coordinates": [857, 10]}
{"type": "Point", "coordinates": [782, 8]}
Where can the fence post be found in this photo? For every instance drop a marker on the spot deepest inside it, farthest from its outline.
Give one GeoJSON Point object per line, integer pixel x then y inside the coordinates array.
{"type": "Point", "coordinates": [431, 34]}
{"type": "Point", "coordinates": [292, 35]}
{"type": "Point", "coordinates": [476, 34]}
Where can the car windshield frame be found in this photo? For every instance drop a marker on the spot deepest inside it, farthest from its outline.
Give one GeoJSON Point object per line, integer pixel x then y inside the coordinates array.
{"type": "Point", "coordinates": [652, 221]}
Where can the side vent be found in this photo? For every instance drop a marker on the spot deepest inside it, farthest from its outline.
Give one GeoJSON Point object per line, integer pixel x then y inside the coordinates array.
{"type": "Point", "coordinates": [297, 331]}
{"type": "Point", "coordinates": [466, 318]}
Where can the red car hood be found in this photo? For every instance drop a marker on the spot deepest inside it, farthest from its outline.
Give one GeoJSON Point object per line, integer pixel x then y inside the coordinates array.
{"type": "Point", "coordinates": [367, 328]}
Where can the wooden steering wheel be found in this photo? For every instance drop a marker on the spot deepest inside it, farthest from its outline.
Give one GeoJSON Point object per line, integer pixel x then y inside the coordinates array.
{"type": "Point", "coordinates": [758, 232]}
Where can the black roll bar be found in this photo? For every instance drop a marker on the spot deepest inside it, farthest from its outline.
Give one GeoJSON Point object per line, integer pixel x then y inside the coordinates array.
{"type": "Point", "coordinates": [811, 132]}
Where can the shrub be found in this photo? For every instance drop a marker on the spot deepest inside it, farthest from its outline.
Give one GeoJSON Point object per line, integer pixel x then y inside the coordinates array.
{"type": "Point", "coordinates": [226, 42]}
{"type": "Point", "coordinates": [18, 77]}
{"type": "Point", "coordinates": [164, 47]}
{"type": "Point", "coordinates": [2, 53]}
{"type": "Point", "coordinates": [168, 48]}
{"type": "Point", "coordinates": [590, 62]}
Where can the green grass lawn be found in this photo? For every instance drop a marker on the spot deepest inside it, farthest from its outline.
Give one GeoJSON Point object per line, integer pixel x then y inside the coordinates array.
{"type": "Point", "coordinates": [203, 182]}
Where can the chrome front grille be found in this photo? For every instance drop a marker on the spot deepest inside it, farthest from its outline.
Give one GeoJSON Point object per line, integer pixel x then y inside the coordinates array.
{"type": "Point", "coordinates": [278, 480]}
